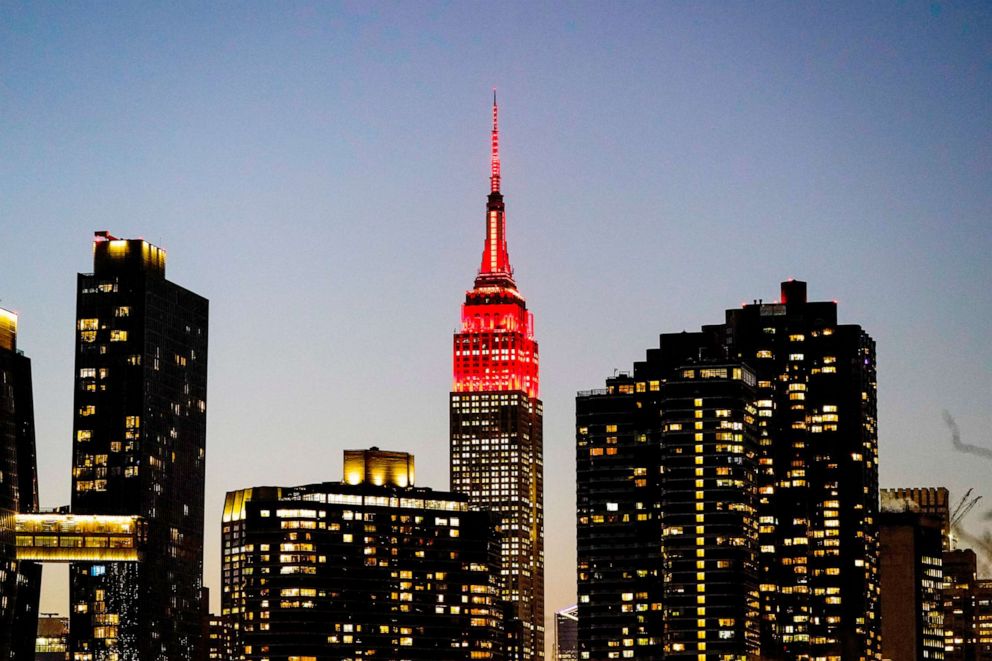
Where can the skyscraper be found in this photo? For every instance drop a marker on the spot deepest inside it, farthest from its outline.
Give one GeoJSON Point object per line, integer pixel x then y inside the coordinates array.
{"type": "Point", "coordinates": [496, 422]}
{"type": "Point", "coordinates": [808, 441]}
{"type": "Point", "coordinates": [369, 567]}
{"type": "Point", "coordinates": [666, 508]}
{"type": "Point", "coordinates": [139, 449]}
{"type": "Point", "coordinates": [818, 506]}
{"type": "Point", "coordinates": [20, 581]}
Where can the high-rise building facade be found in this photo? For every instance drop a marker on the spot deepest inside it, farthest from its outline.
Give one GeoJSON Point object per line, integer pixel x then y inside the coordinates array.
{"type": "Point", "coordinates": [666, 505]}
{"type": "Point", "coordinates": [618, 525]}
{"type": "Point", "coordinates": [818, 507]}
{"type": "Point", "coordinates": [566, 634]}
{"type": "Point", "coordinates": [910, 570]}
{"type": "Point", "coordinates": [983, 620]}
{"type": "Point", "coordinates": [960, 577]}
{"type": "Point", "coordinates": [139, 433]}
{"type": "Point", "coordinates": [219, 635]}
{"type": "Point", "coordinates": [20, 581]}
{"type": "Point", "coordinates": [496, 424]}
{"type": "Point", "coordinates": [708, 512]}
{"type": "Point", "coordinates": [812, 438]}
{"type": "Point", "coordinates": [370, 567]}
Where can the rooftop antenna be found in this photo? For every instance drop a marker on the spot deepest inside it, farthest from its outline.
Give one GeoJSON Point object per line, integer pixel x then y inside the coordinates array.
{"type": "Point", "coordinates": [494, 163]}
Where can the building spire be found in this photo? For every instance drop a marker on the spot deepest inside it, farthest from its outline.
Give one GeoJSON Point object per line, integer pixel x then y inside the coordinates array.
{"type": "Point", "coordinates": [495, 268]}
{"type": "Point", "coordinates": [494, 176]}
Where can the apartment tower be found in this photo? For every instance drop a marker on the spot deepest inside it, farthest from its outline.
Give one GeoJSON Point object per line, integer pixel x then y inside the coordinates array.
{"type": "Point", "coordinates": [788, 395]}
{"type": "Point", "coordinates": [139, 432]}
{"type": "Point", "coordinates": [667, 460]}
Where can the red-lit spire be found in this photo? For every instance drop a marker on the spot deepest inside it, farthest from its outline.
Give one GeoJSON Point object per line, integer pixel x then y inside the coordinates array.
{"type": "Point", "coordinates": [494, 176]}
{"type": "Point", "coordinates": [495, 268]}
{"type": "Point", "coordinates": [495, 349]}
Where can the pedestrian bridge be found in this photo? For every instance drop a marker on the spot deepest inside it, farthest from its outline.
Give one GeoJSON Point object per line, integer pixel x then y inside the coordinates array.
{"type": "Point", "coordinates": [62, 537]}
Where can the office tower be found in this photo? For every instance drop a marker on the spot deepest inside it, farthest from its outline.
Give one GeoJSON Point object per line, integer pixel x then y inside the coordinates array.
{"type": "Point", "coordinates": [369, 567]}
{"type": "Point", "coordinates": [52, 643]}
{"type": "Point", "coordinates": [910, 547]}
{"type": "Point", "coordinates": [20, 581]}
{"type": "Point", "coordinates": [666, 504]}
{"type": "Point", "coordinates": [566, 634]}
{"type": "Point", "coordinates": [925, 500]}
{"type": "Point", "coordinates": [139, 449]}
{"type": "Point", "coordinates": [816, 478]}
{"type": "Point", "coordinates": [960, 575]}
{"type": "Point", "coordinates": [496, 423]}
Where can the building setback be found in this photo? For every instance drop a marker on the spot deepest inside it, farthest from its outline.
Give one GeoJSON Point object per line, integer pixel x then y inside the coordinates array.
{"type": "Point", "coordinates": [139, 433]}
{"type": "Point", "coordinates": [370, 567]}
{"type": "Point", "coordinates": [20, 582]}
{"type": "Point", "coordinates": [496, 424]}
{"type": "Point", "coordinates": [810, 429]}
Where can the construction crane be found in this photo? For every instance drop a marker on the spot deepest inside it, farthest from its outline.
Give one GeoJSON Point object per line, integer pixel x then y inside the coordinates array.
{"type": "Point", "coordinates": [957, 508]}
{"type": "Point", "coordinates": [961, 512]}
{"type": "Point", "coordinates": [955, 531]}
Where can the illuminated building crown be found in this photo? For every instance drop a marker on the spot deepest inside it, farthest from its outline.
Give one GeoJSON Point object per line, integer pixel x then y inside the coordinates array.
{"type": "Point", "coordinates": [495, 349]}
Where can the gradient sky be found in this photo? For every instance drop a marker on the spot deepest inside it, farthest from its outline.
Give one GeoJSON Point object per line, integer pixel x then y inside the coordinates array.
{"type": "Point", "coordinates": [319, 172]}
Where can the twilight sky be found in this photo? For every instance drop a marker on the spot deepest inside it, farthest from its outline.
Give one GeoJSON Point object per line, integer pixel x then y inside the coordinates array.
{"type": "Point", "coordinates": [319, 172]}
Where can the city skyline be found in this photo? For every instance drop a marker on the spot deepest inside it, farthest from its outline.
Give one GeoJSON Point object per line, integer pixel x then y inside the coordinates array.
{"type": "Point", "coordinates": [855, 160]}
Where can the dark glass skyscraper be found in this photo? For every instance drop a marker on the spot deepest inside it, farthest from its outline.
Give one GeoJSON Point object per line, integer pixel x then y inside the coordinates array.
{"type": "Point", "coordinates": [496, 424]}
{"type": "Point", "coordinates": [139, 449]}
{"type": "Point", "coordinates": [801, 433]}
{"type": "Point", "coordinates": [20, 582]}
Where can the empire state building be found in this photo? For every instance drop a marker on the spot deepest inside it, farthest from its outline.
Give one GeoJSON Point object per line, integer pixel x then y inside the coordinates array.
{"type": "Point", "coordinates": [496, 421]}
